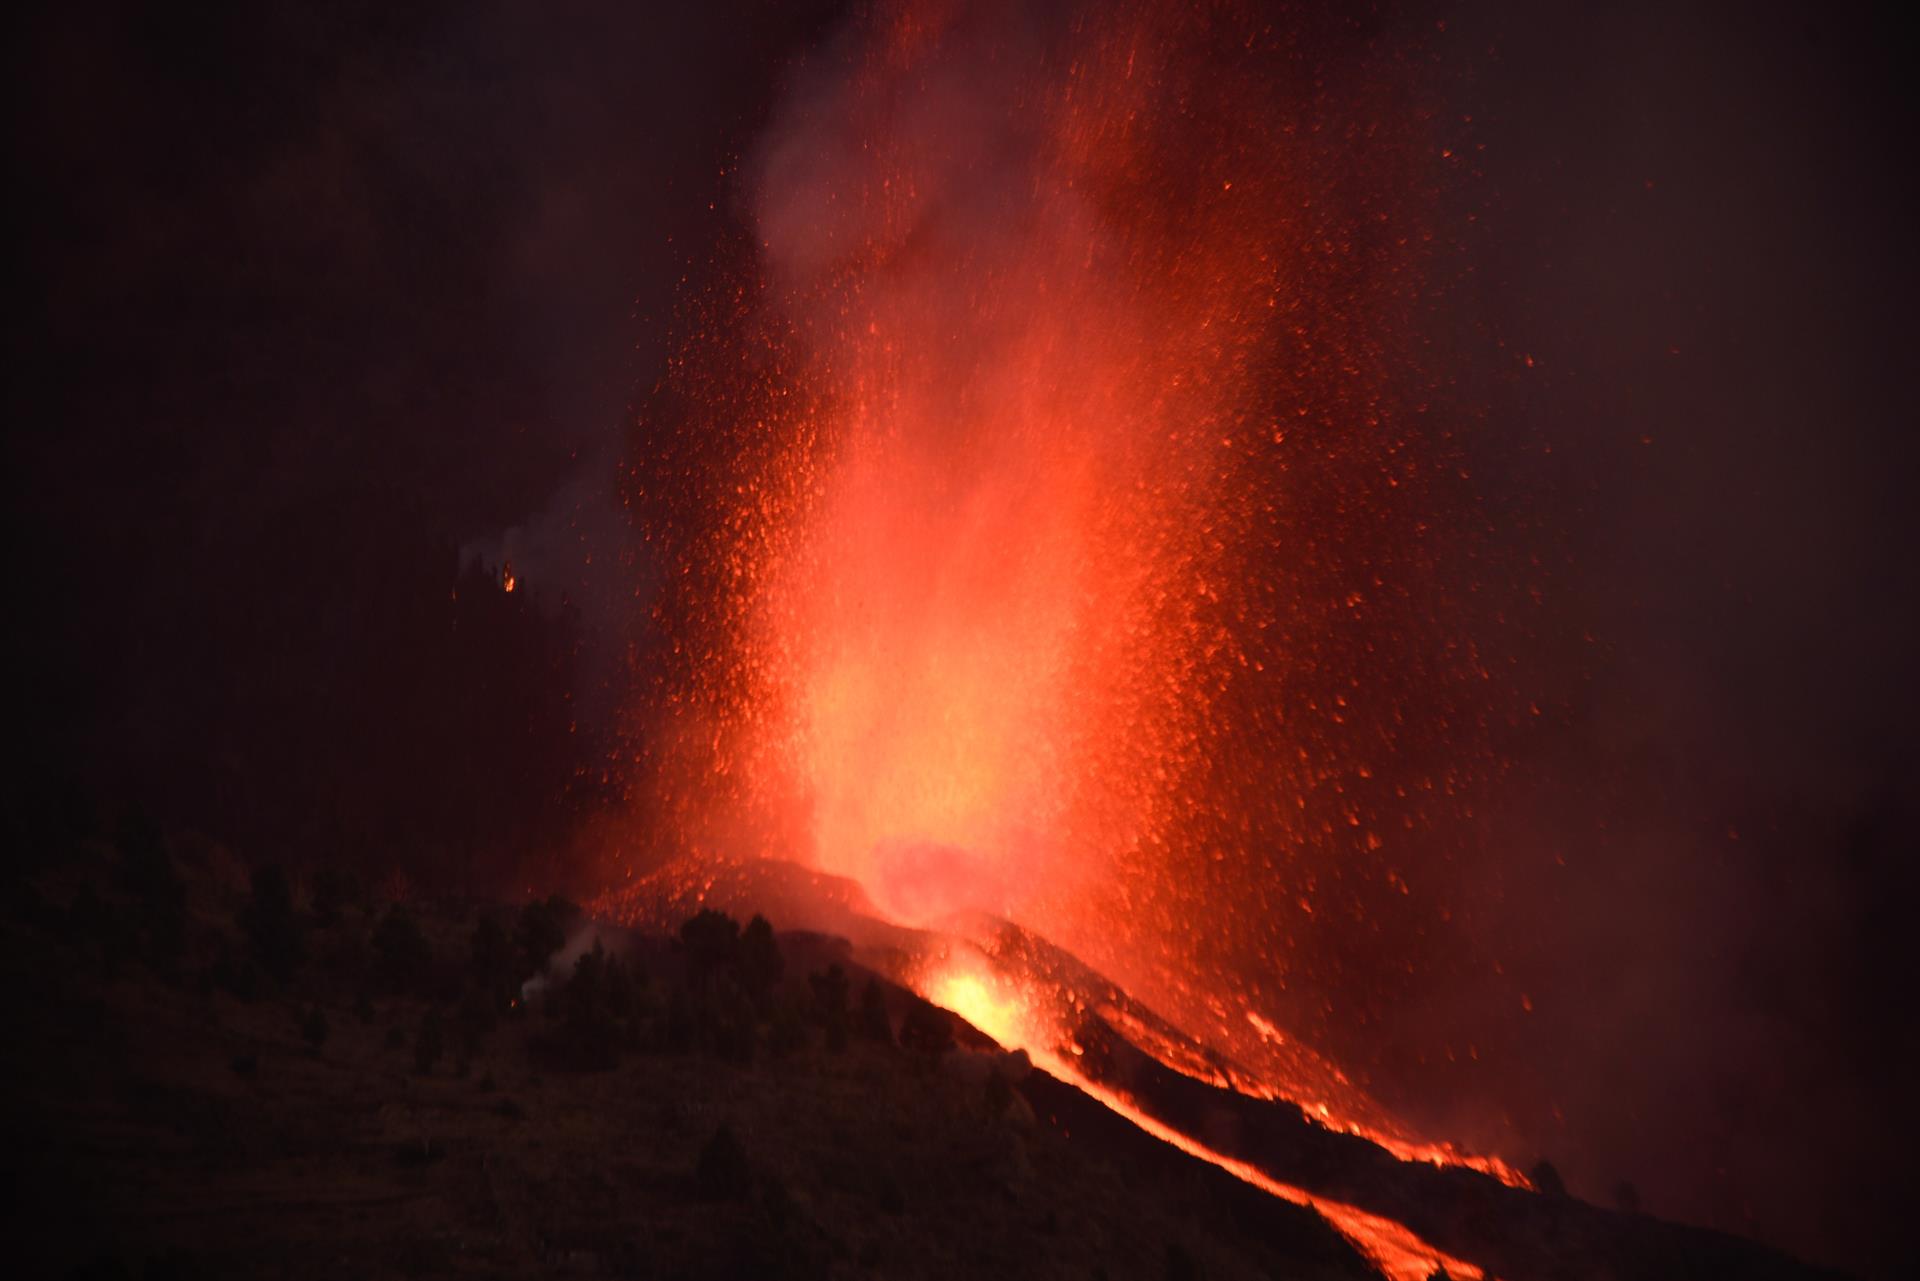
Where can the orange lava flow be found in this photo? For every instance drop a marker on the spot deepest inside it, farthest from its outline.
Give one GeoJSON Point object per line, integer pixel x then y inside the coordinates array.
{"type": "Point", "coordinates": [1050, 517]}
{"type": "Point", "coordinates": [1011, 1021]}
{"type": "Point", "coordinates": [1397, 1252]}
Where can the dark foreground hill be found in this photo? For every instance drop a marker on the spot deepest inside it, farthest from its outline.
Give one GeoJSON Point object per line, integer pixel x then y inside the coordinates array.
{"type": "Point", "coordinates": [208, 1077]}
{"type": "Point", "coordinates": [221, 1071]}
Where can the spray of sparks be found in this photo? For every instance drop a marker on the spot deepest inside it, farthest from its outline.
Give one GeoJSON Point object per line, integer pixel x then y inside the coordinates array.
{"type": "Point", "coordinates": [1052, 516]}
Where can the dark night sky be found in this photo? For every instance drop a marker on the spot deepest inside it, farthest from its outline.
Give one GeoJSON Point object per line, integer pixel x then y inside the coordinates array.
{"type": "Point", "coordinates": [289, 273]}
{"type": "Point", "coordinates": [299, 289]}
{"type": "Point", "coordinates": [1695, 225]}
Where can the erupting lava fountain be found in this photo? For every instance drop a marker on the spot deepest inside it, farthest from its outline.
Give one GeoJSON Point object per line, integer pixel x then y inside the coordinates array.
{"type": "Point", "coordinates": [1056, 520]}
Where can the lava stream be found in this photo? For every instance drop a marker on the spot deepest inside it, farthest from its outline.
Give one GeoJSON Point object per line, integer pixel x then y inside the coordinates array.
{"type": "Point", "coordinates": [1398, 1253]}
{"type": "Point", "coordinates": [1028, 995]}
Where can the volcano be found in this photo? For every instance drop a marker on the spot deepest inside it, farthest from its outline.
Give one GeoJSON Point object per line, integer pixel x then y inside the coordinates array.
{"type": "Point", "coordinates": [1332, 580]}
{"type": "Point", "coordinates": [1058, 528]}
{"type": "Point", "coordinates": [1070, 548]}
{"type": "Point", "coordinates": [1414, 1209]}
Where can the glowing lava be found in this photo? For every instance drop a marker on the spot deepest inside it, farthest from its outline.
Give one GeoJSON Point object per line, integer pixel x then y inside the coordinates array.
{"type": "Point", "coordinates": [1009, 1017]}
{"type": "Point", "coordinates": [977, 998]}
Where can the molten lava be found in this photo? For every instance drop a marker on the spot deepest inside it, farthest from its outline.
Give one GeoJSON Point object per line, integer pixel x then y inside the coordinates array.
{"type": "Point", "coordinates": [1017, 1021]}
{"type": "Point", "coordinates": [1054, 524]}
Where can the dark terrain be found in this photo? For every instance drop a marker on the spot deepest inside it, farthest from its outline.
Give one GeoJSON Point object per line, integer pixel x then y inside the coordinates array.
{"type": "Point", "coordinates": [180, 1112]}
{"type": "Point", "coordinates": [218, 1070]}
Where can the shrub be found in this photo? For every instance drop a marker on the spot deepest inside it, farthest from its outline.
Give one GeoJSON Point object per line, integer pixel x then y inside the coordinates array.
{"type": "Point", "coordinates": [927, 1028]}
{"type": "Point", "coordinates": [314, 1029]}
{"type": "Point", "coordinates": [723, 1173]}
{"type": "Point", "coordinates": [874, 1023]}
{"type": "Point", "coordinates": [543, 931]}
{"type": "Point", "coordinates": [761, 964]}
{"type": "Point", "coordinates": [492, 964]}
{"type": "Point", "coordinates": [237, 975]}
{"type": "Point", "coordinates": [829, 992]}
{"type": "Point", "coordinates": [333, 889]}
{"type": "Point", "coordinates": [1546, 1179]}
{"type": "Point", "coordinates": [473, 1021]}
{"type": "Point", "coordinates": [710, 941]}
{"type": "Point", "coordinates": [727, 1021]}
{"type": "Point", "coordinates": [787, 1031]}
{"type": "Point", "coordinates": [624, 984]}
{"type": "Point", "coordinates": [276, 936]}
{"type": "Point", "coordinates": [430, 1043]}
{"type": "Point", "coordinates": [830, 1004]}
{"type": "Point", "coordinates": [401, 954]}
{"type": "Point", "coordinates": [591, 1029]}
{"type": "Point", "coordinates": [600, 1011]}
{"type": "Point", "coordinates": [345, 960]}
{"type": "Point", "coordinates": [678, 1033]}
{"type": "Point", "coordinates": [91, 920]}
{"type": "Point", "coordinates": [999, 1094]}
{"type": "Point", "coordinates": [161, 899]}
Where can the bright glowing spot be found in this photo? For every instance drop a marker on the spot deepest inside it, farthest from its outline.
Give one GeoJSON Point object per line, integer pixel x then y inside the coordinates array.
{"type": "Point", "coordinates": [982, 1002]}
